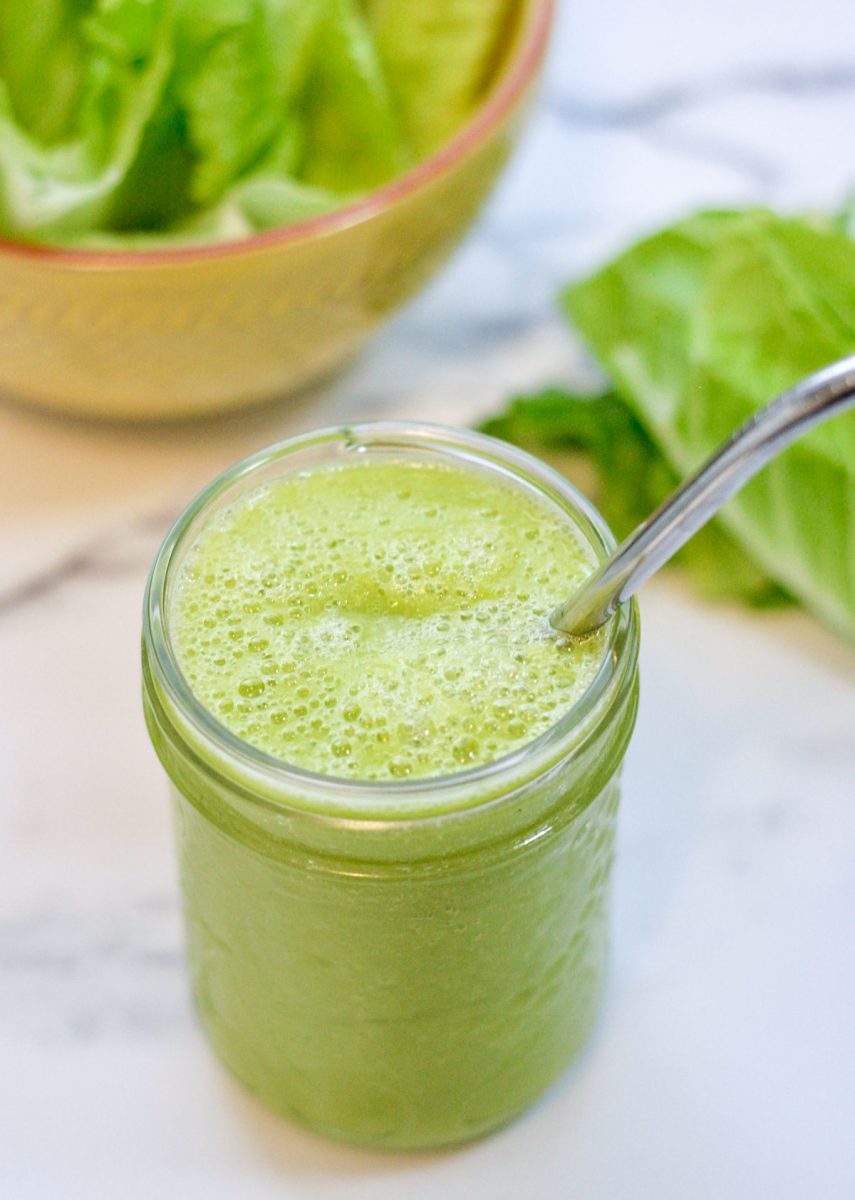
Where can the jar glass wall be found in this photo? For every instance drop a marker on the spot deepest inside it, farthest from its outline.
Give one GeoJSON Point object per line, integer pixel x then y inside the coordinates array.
{"type": "Point", "coordinates": [402, 964]}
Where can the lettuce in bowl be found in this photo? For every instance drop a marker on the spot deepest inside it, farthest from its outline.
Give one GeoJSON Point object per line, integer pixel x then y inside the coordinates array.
{"type": "Point", "coordinates": [139, 122]}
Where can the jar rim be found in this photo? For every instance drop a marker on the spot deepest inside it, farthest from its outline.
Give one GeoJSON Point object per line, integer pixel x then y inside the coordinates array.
{"type": "Point", "coordinates": [336, 796]}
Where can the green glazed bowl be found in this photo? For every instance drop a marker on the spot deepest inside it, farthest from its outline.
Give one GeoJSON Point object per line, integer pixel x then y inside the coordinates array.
{"type": "Point", "coordinates": [176, 333]}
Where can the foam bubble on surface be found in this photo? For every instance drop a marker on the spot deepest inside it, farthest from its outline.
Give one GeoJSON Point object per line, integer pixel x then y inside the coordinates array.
{"type": "Point", "coordinates": [383, 619]}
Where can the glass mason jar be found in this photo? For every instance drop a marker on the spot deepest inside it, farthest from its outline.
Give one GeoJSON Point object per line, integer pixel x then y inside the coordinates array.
{"type": "Point", "coordinates": [401, 964]}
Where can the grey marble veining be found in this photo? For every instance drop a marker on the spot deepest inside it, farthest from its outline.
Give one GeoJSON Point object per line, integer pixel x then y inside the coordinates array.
{"type": "Point", "coordinates": [78, 974]}
{"type": "Point", "coordinates": [792, 81]}
{"type": "Point", "coordinates": [125, 550]}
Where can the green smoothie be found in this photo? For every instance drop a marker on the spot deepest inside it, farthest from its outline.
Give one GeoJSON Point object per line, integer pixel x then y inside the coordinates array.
{"type": "Point", "coordinates": [395, 785]}
{"type": "Point", "coordinates": [383, 620]}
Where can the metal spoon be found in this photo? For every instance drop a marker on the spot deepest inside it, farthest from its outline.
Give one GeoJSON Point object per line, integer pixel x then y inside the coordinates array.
{"type": "Point", "coordinates": [817, 397]}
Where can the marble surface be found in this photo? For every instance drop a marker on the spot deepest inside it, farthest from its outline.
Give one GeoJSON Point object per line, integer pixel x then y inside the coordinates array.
{"type": "Point", "coordinates": [724, 1063]}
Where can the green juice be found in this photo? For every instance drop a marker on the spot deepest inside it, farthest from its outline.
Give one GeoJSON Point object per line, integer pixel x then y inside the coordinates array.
{"type": "Point", "coordinates": [395, 785]}
{"type": "Point", "coordinates": [382, 620]}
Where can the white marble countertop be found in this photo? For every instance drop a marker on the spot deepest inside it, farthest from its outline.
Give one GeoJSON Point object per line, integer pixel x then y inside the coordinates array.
{"type": "Point", "coordinates": [724, 1063]}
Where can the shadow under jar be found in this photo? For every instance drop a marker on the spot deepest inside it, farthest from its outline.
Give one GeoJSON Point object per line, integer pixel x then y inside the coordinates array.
{"type": "Point", "coordinates": [396, 963]}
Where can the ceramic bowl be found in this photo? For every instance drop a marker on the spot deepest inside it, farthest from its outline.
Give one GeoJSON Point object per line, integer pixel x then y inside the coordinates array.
{"type": "Point", "coordinates": [172, 334]}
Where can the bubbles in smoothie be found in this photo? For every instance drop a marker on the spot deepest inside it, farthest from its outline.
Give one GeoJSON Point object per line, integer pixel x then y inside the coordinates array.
{"type": "Point", "coordinates": [382, 620]}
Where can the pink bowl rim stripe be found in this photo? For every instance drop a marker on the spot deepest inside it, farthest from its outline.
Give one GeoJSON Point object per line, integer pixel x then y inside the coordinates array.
{"type": "Point", "coordinates": [501, 100]}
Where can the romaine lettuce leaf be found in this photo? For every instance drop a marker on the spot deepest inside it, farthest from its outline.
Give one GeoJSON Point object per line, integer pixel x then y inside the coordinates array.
{"type": "Point", "coordinates": [251, 205]}
{"type": "Point", "coordinates": [353, 134]}
{"type": "Point", "coordinates": [602, 447]}
{"type": "Point", "coordinates": [179, 120]}
{"type": "Point", "coordinates": [700, 326]}
{"type": "Point", "coordinates": [439, 57]}
{"type": "Point", "coordinates": [52, 190]}
{"type": "Point", "coordinates": [163, 121]}
{"type": "Point", "coordinates": [43, 63]}
{"type": "Point", "coordinates": [240, 67]}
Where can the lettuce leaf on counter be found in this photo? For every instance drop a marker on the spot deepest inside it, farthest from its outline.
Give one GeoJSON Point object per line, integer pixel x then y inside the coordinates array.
{"type": "Point", "coordinates": [599, 444]}
{"type": "Point", "coordinates": [701, 325]}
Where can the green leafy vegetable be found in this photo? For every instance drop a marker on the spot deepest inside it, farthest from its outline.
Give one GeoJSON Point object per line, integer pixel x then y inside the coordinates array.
{"type": "Point", "coordinates": [598, 443]}
{"type": "Point", "coordinates": [142, 122]}
{"type": "Point", "coordinates": [700, 326]}
{"type": "Point", "coordinates": [49, 190]}
{"type": "Point", "coordinates": [439, 58]}
{"type": "Point", "coordinates": [242, 64]}
{"type": "Point", "coordinates": [353, 138]}
{"type": "Point", "coordinates": [42, 60]}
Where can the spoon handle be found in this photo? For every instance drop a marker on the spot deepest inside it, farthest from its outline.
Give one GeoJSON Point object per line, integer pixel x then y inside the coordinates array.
{"type": "Point", "coordinates": [792, 413]}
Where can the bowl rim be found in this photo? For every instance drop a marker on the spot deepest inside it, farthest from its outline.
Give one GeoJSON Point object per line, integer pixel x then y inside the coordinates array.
{"type": "Point", "coordinates": [510, 86]}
